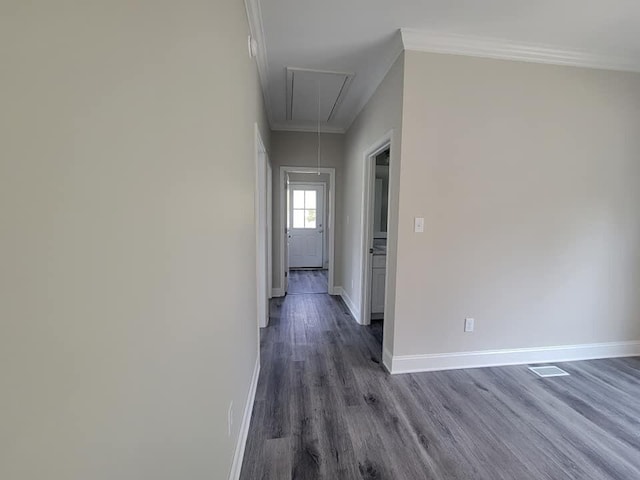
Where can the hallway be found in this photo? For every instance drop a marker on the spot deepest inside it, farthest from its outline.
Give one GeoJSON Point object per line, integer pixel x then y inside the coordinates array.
{"type": "Point", "coordinates": [326, 409]}
{"type": "Point", "coordinates": [315, 362]}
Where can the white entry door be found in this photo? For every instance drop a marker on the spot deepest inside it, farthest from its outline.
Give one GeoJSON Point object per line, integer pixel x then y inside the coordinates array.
{"type": "Point", "coordinates": [306, 225]}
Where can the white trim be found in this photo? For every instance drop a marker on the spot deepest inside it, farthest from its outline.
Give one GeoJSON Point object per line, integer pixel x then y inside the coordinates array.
{"type": "Point", "coordinates": [387, 359]}
{"type": "Point", "coordinates": [254, 16]}
{"type": "Point", "coordinates": [294, 127]}
{"type": "Point", "coordinates": [517, 356]}
{"type": "Point", "coordinates": [353, 309]}
{"type": "Point", "coordinates": [261, 219]}
{"type": "Point", "coordinates": [337, 290]}
{"type": "Point", "coordinates": [330, 215]}
{"type": "Point", "coordinates": [434, 42]}
{"type": "Point", "coordinates": [269, 229]}
{"type": "Point", "coordinates": [277, 292]}
{"type": "Point", "coordinates": [238, 456]}
{"type": "Point", "coordinates": [366, 223]}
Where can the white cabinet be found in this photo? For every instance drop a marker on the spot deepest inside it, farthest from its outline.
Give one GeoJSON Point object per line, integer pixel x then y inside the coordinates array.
{"type": "Point", "coordinates": [378, 280]}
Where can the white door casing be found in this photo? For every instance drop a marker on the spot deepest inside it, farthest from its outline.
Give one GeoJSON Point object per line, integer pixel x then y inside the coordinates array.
{"type": "Point", "coordinates": [269, 228]}
{"type": "Point", "coordinates": [367, 226]}
{"type": "Point", "coordinates": [262, 230]}
{"type": "Point", "coordinates": [285, 252]}
{"type": "Point", "coordinates": [306, 225]}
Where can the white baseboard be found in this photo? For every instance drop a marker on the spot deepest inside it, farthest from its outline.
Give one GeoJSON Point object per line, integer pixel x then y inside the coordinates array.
{"type": "Point", "coordinates": [244, 428]}
{"type": "Point", "coordinates": [355, 312]}
{"type": "Point", "coordinates": [277, 292]}
{"type": "Point", "coordinates": [494, 358]}
{"type": "Point", "coordinates": [387, 359]}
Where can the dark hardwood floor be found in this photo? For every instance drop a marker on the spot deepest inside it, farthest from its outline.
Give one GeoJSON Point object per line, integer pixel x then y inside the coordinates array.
{"type": "Point", "coordinates": [308, 281]}
{"type": "Point", "coordinates": [326, 409]}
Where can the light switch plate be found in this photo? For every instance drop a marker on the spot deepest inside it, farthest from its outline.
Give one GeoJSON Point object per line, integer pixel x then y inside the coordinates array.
{"type": "Point", "coordinates": [418, 225]}
{"type": "Point", "coordinates": [469, 324]}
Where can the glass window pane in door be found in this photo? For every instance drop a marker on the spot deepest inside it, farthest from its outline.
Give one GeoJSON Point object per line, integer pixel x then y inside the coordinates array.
{"type": "Point", "coordinates": [310, 218]}
{"type": "Point", "coordinates": [310, 199]}
{"type": "Point", "coordinates": [298, 219]}
{"type": "Point", "coordinates": [298, 199]}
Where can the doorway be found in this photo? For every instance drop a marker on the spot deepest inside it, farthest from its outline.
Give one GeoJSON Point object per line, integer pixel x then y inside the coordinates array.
{"type": "Point", "coordinates": [306, 225]}
{"type": "Point", "coordinates": [306, 234]}
{"type": "Point", "coordinates": [307, 203]}
{"type": "Point", "coordinates": [376, 219]}
{"type": "Point", "coordinates": [263, 220]}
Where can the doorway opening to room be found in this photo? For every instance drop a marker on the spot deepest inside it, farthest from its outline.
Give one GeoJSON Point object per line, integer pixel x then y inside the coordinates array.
{"type": "Point", "coordinates": [375, 236]}
{"type": "Point", "coordinates": [307, 216]}
{"type": "Point", "coordinates": [308, 260]}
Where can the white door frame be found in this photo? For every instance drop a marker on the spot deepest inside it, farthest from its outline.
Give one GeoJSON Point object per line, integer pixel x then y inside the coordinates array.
{"type": "Point", "coordinates": [368, 193]}
{"type": "Point", "coordinates": [330, 206]}
{"type": "Point", "coordinates": [324, 211]}
{"type": "Point", "coordinates": [269, 229]}
{"type": "Point", "coordinates": [262, 229]}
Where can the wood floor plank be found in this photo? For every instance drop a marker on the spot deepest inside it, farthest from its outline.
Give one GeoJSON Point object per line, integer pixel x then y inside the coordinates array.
{"type": "Point", "coordinates": [373, 459]}
{"type": "Point", "coordinates": [337, 458]}
{"type": "Point", "coordinates": [307, 281]}
{"type": "Point", "coordinates": [392, 427]}
{"type": "Point", "coordinates": [277, 459]}
{"type": "Point", "coordinates": [326, 409]}
{"type": "Point", "coordinates": [278, 395]}
{"type": "Point", "coordinates": [306, 454]}
{"type": "Point", "coordinates": [458, 436]}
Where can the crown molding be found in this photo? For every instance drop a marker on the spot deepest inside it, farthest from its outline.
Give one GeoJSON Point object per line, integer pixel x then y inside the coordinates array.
{"type": "Point", "coordinates": [286, 127]}
{"type": "Point", "coordinates": [428, 41]}
{"type": "Point", "coordinates": [254, 16]}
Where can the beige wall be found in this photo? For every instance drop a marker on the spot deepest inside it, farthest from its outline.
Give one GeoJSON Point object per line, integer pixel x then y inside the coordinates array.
{"type": "Point", "coordinates": [127, 312]}
{"type": "Point", "coordinates": [528, 178]}
{"type": "Point", "coordinates": [382, 114]}
{"type": "Point", "coordinates": [300, 149]}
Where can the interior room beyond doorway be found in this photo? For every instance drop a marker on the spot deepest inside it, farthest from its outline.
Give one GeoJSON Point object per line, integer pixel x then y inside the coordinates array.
{"type": "Point", "coordinates": [307, 252]}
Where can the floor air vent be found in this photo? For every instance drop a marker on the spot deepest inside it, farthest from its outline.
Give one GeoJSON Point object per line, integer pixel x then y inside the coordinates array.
{"type": "Point", "coordinates": [549, 371]}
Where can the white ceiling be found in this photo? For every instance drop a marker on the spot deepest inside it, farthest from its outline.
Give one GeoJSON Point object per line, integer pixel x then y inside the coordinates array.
{"type": "Point", "coordinates": [361, 37]}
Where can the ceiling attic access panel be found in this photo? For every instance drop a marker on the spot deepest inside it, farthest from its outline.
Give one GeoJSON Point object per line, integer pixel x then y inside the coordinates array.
{"type": "Point", "coordinates": [303, 87]}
